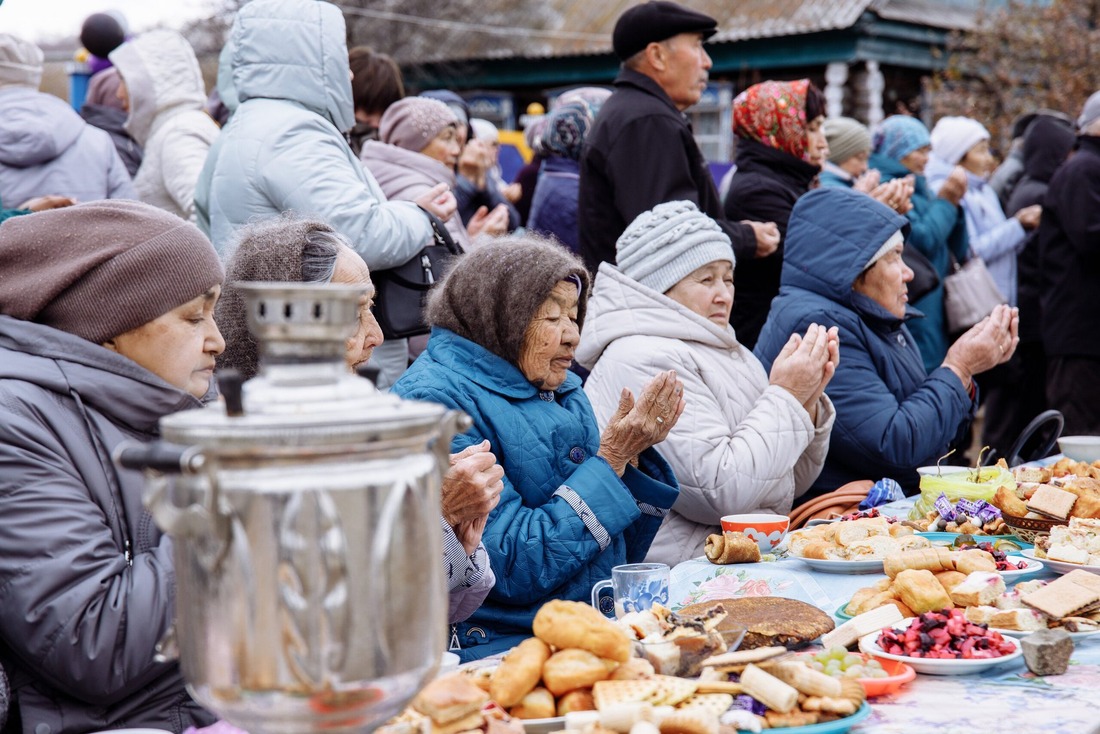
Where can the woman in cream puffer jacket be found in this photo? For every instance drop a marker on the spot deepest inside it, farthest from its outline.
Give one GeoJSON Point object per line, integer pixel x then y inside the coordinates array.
{"type": "Point", "coordinates": [744, 443]}
{"type": "Point", "coordinates": [165, 94]}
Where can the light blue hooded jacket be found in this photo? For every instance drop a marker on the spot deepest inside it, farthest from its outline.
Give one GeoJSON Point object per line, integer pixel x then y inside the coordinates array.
{"type": "Point", "coordinates": [284, 149]}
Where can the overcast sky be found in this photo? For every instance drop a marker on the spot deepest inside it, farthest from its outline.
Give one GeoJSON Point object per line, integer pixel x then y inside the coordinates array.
{"type": "Point", "coordinates": [51, 19]}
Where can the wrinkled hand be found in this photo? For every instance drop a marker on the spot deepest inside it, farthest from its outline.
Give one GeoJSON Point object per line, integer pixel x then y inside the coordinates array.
{"type": "Point", "coordinates": [806, 364]}
{"type": "Point", "coordinates": [1029, 216]}
{"type": "Point", "coordinates": [42, 203]}
{"type": "Point", "coordinates": [472, 486]}
{"type": "Point", "coordinates": [767, 237]}
{"type": "Point", "coordinates": [439, 201]}
{"type": "Point", "coordinates": [469, 533]}
{"type": "Point", "coordinates": [894, 194]}
{"type": "Point", "coordinates": [491, 223]}
{"type": "Point", "coordinates": [475, 162]}
{"type": "Point", "coordinates": [868, 182]}
{"type": "Point", "coordinates": [954, 187]}
{"type": "Point", "coordinates": [637, 425]}
{"type": "Point", "coordinates": [987, 344]}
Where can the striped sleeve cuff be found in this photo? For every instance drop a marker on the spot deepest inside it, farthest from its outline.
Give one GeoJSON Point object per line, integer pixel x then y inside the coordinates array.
{"type": "Point", "coordinates": [462, 570]}
{"type": "Point", "coordinates": [584, 512]}
{"type": "Point", "coordinates": [648, 509]}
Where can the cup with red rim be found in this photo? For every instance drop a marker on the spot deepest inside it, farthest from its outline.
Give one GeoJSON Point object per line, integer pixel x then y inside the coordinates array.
{"type": "Point", "coordinates": [767, 530]}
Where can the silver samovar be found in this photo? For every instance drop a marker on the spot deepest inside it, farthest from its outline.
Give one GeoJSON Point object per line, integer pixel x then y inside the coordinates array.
{"type": "Point", "coordinates": [304, 511]}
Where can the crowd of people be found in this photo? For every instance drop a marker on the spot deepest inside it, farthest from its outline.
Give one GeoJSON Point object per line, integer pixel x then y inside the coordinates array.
{"type": "Point", "coordinates": [640, 350]}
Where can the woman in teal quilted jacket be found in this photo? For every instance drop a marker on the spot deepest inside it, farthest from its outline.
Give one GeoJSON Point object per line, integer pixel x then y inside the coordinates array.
{"type": "Point", "coordinates": [505, 324]}
{"type": "Point", "coordinates": [901, 148]}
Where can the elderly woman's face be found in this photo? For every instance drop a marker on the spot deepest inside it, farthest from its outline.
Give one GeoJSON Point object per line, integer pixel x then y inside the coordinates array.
{"type": "Point", "coordinates": [817, 147]}
{"type": "Point", "coordinates": [444, 147]}
{"type": "Point", "coordinates": [708, 291]}
{"type": "Point", "coordinates": [351, 270]}
{"type": "Point", "coordinates": [885, 282]}
{"type": "Point", "coordinates": [917, 159]}
{"type": "Point", "coordinates": [551, 339]}
{"type": "Point", "coordinates": [179, 346]}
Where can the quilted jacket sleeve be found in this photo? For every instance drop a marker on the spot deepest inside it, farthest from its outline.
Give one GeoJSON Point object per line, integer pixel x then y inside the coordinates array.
{"type": "Point", "coordinates": [722, 468]}
{"type": "Point", "coordinates": [534, 549]}
{"type": "Point", "coordinates": [74, 610]}
{"type": "Point", "coordinates": [308, 170]}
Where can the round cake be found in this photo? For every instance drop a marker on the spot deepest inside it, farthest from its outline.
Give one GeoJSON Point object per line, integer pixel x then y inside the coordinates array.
{"type": "Point", "coordinates": [767, 620]}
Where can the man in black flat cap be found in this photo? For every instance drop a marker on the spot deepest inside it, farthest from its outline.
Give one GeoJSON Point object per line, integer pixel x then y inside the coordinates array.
{"type": "Point", "coordinates": [641, 151]}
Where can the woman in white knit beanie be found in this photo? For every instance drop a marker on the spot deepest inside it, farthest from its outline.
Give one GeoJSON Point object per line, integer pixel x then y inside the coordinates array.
{"type": "Point", "coordinates": [747, 441]}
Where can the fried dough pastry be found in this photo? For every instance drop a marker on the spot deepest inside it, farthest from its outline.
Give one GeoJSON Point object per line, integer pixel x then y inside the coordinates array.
{"type": "Point", "coordinates": [566, 624]}
{"type": "Point", "coordinates": [519, 672]}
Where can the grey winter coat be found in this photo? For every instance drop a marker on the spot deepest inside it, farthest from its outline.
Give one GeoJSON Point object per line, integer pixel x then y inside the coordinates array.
{"type": "Point", "coordinates": [284, 149]}
{"type": "Point", "coordinates": [67, 157]}
{"type": "Point", "coordinates": [86, 580]}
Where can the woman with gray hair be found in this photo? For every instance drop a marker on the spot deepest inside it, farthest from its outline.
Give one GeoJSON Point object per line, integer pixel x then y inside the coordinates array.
{"type": "Point", "coordinates": [576, 502]}
{"type": "Point", "coordinates": [290, 249]}
{"type": "Point", "coordinates": [749, 441]}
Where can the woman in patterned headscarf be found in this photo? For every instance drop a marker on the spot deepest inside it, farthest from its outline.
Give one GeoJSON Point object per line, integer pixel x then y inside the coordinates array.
{"type": "Point", "coordinates": [780, 149]}
{"type": "Point", "coordinates": [554, 208]}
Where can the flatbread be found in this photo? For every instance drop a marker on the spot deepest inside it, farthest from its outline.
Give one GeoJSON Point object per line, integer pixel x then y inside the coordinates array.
{"type": "Point", "coordinates": [768, 620]}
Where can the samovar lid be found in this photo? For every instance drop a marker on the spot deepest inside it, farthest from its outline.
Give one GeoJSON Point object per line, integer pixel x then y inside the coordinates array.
{"type": "Point", "coordinates": [303, 396]}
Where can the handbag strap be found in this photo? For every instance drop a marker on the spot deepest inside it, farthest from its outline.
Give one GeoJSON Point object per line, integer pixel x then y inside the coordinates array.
{"type": "Point", "coordinates": [440, 234]}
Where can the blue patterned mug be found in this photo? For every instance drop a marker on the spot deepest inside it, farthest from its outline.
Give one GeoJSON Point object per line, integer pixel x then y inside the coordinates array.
{"type": "Point", "coordinates": [634, 587]}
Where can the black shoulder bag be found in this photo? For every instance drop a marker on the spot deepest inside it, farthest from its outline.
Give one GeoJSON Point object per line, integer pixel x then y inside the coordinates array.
{"type": "Point", "coordinates": [401, 293]}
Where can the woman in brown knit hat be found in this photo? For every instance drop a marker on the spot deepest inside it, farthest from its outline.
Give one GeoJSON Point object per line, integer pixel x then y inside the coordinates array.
{"type": "Point", "coordinates": [106, 325]}
{"type": "Point", "coordinates": [505, 323]}
{"type": "Point", "coordinates": [295, 250]}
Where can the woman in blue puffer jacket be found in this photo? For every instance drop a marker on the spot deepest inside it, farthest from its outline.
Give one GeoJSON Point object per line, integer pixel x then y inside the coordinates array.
{"type": "Point", "coordinates": [505, 325]}
{"type": "Point", "coordinates": [843, 268]}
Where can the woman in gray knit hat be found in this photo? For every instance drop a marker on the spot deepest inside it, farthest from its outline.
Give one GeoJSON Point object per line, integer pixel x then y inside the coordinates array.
{"type": "Point", "coordinates": [290, 249]}
{"type": "Point", "coordinates": [748, 441]}
{"type": "Point", "coordinates": [107, 325]}
{"type": "Point", "coordinates": [576, 502]}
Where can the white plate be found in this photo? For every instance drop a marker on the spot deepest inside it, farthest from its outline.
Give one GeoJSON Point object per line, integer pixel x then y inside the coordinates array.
{"type": "Point", "coordinates": [872, 565]}
{"type": "Point", "coordinates": [1020, 634]}
{"type": "Point", "coordinates": [543, 726]}
{"type": "Point", "coordinates": [936, 666]}
{"type": "Point", "coordinates": [1033, 566]}
{"type": "Point", "coordinates": [1058, 566]}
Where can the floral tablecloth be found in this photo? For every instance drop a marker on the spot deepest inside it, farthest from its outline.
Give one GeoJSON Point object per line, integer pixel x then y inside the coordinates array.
{"type": "Point", "coordinates": [1008, 698]}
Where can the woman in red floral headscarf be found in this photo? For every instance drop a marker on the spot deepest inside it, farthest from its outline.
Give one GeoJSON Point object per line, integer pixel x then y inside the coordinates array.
{"type": "Point", "coordinates": [780, 149]}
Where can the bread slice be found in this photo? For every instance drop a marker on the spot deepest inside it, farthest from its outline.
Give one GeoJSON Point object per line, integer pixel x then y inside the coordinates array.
{"type": "Point", "coordinates": [1038, 474]}
{"type": "Point", "coordinates": [1052, 502]}
{"type": "Point", "coordinates": [1024, 620]}
{"type": "Point", "coordinates": [981, 588]}
{"type": "Point", "coordinates": [981, 614]}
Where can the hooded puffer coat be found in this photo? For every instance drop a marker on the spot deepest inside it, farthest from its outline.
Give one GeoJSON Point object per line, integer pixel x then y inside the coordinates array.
{"type": "Point", "coordinates": [67, 157]}
{"type": "Point", "coordinates": [891, 415]}
{"type": "Point", "coordinates": [284, 149]}
{"type": "Point", "coordinates": [741, 445]}
{"type": "Point", "coordinates": [86, 580]}
{"type": "Point", "coordinates": [167, 94]}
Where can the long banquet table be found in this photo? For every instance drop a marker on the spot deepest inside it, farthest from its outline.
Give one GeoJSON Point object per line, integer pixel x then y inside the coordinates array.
{"type": "Point", "coordinates": [1007, 698]}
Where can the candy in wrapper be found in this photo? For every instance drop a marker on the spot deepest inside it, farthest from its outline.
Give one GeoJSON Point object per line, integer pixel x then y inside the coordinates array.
{"type": "Point", "coordinates": [989, 513]}
{"type": "Point", "coordinates": [968, 507]}
{"type": "Point", "coordinates": [745, 702]}
{"type": "Point", "coordinates": [944, 507]}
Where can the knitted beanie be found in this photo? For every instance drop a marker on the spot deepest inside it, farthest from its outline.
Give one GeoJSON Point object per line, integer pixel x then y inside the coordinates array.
{"type": "Point", "coordinates": [898, 136]}
{"type": "Point", "coordinates": [1090, 113]}
{"type": "Point", "coordinates": [484, 130]}
{"type": "Point", "coordinates": [891, 244]}
{"type": "Point", "coordinates": [413, 122]}
{"type": "Point", "coordinates": [270, 250]}
{"type": "Point", "coordinates": [493, 292]}
{"type": "Point", "coordinates": [20, 62]}
{"type": "Point", "coordinates": [847, 138]}
{"type": "Point", "coordinates": [100, 269]}
{"type": "Point", "coordinates": [669, 242]}
{"type": "Point", "coordinates": [953, 137]}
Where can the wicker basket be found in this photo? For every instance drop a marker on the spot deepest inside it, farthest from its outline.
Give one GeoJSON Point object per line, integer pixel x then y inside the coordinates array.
{"type": "Point", "coordinates": [1029, 529]}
